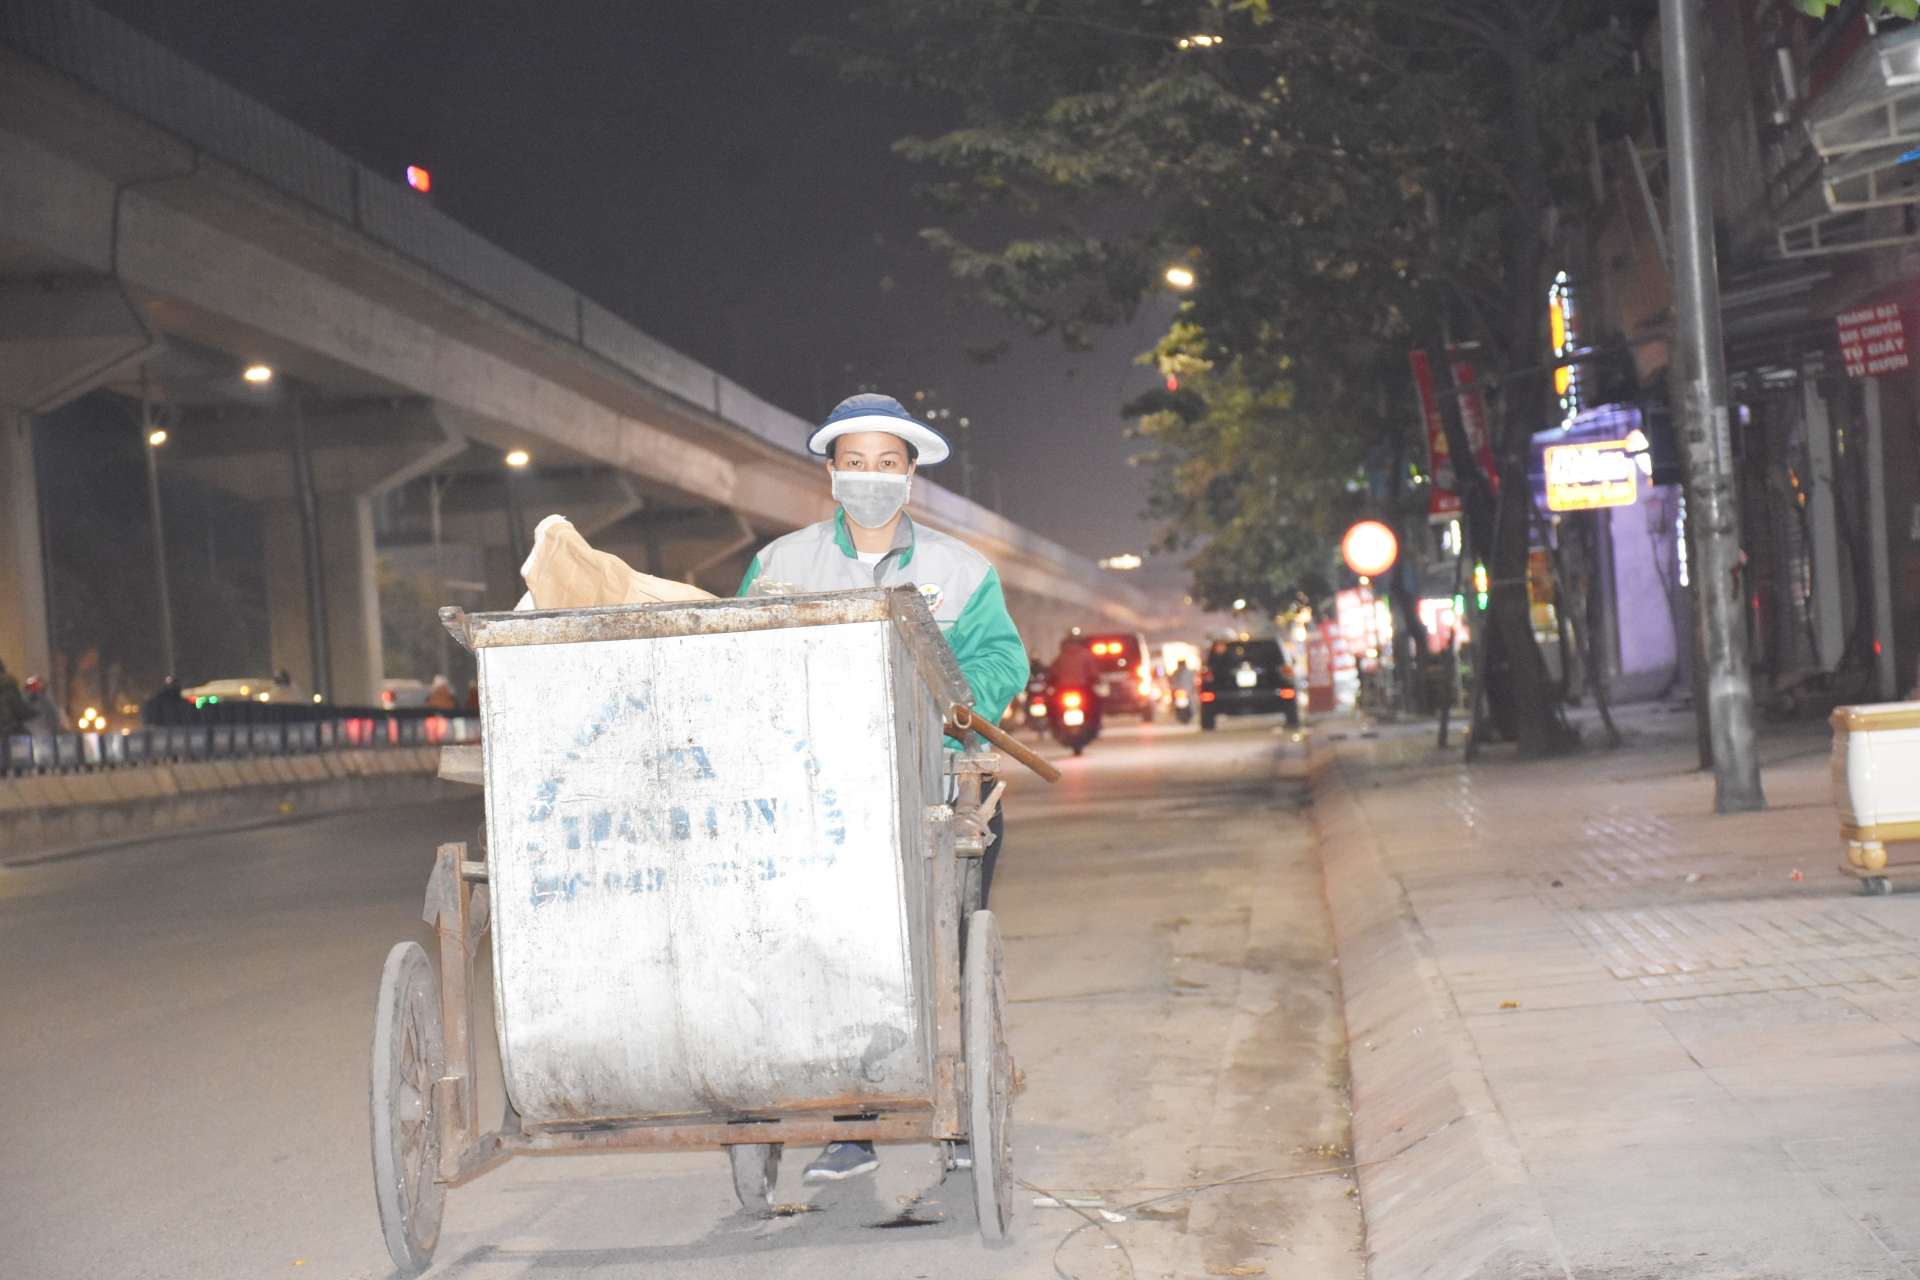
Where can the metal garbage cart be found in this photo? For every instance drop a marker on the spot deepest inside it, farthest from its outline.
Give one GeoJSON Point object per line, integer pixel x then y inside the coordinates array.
{"type": "Point", "coordinates": [727, 867]}
{"type": "Point", "coordinates": [1876, 788]}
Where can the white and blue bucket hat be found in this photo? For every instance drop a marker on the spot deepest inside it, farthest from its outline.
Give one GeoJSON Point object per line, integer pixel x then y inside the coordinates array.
{"type": "Point", "coordinates": [879, 413]}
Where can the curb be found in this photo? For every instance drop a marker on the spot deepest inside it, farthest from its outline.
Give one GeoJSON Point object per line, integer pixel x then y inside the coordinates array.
{"type": "Point", "coordinates": [1443, 1188]}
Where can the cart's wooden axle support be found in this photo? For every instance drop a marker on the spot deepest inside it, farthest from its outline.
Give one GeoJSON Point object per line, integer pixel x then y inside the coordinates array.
{"type": "Point", "coordinates": [458, 909]}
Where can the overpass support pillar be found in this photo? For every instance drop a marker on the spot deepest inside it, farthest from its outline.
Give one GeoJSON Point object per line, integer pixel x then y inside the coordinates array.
{"type": "Point", "coordinates": [349, 595]}
{"type": "Point", "coordinates": [58, 341]}
{"type": "Point", "coordinates": [353, 454]}
{"type": "Point", "coordinates": [25, 645]}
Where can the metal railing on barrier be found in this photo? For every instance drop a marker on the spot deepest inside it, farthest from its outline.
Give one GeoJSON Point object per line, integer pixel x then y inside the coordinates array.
{"type": "Point", "coordinates": [206, 737]}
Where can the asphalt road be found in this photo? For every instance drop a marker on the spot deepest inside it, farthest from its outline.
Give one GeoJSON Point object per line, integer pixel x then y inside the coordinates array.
{"type": "Point", "coordinates": [186, 1029]}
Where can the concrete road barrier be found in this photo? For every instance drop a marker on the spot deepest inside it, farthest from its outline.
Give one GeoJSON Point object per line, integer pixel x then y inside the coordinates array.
{"type": "Point", "coordinates": [54, 814]}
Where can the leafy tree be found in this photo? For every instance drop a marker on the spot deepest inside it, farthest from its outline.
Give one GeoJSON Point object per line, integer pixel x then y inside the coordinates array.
{"type": "Point", "coordinates": [1345, 179]}
{"type": "Point", "coordinates": [1878, 8]}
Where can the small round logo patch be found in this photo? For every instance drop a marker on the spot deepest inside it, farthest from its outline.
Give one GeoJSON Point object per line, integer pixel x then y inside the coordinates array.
{"type": "Point", "coordinates": [933, 595]}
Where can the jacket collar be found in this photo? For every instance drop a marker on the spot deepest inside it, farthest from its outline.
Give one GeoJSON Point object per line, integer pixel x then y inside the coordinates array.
{"type": "Point", "coordinates": [903, 538]}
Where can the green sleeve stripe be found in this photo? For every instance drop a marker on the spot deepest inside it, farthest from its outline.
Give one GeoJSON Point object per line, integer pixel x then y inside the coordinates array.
{"type": "Point", "coordinates": [992, 656]}
{"type": "Point", "coordinates": [746, 583]}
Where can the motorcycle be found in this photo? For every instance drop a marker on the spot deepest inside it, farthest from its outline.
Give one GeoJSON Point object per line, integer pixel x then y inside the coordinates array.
{"type": "Point", "coordinates": [1183, 706]}
{"type": "Point", "coordinates": [1074, 717]}
{"type": "Point", "coordinates": [1033, 705]}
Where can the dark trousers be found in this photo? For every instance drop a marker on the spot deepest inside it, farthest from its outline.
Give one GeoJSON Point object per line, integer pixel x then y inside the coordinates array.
{"type": "Point", "coordinates": [992, 855]}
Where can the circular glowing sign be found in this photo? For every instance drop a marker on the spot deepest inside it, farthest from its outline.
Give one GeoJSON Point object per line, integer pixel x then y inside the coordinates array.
{"type": "Point", "coordinates": [1369, 548]}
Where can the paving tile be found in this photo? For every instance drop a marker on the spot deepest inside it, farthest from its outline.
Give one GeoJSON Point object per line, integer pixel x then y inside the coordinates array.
{"type": "Point", "coordinates": [1705, 1068]}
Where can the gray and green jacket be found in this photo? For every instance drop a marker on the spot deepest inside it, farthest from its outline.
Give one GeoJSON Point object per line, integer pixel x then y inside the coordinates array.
{"type": "Point", "coordinates": [961, 589]}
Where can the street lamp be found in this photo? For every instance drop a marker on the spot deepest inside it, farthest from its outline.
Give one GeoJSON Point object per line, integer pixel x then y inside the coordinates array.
{"type": "Point", "coordinates": [157, 436]}
{"type": "Point", "coordinates": [1369, 548]}
{"type": "Point", "coordinates": [258, 374]}
{"type": "Point", "coordinates": [1180, 277]}
{"type": "Point", "coordinates": [518, 458]}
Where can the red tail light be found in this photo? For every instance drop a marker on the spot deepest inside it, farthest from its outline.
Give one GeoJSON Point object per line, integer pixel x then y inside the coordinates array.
{"type": "Point", "coordinates": [1207, 696]}
{"type": "Point", "coordinates": [1069, 699]}
{"type": "Point", "coordinates": [1286, 693]}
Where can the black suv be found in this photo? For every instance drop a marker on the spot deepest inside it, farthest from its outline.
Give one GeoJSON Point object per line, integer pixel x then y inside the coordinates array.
{"type": "Point", "coordinates": [1247, 678]}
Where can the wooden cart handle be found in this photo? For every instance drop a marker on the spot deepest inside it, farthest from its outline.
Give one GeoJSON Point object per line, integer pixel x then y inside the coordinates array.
{"type": "Point", "coordinates": [962, 719]}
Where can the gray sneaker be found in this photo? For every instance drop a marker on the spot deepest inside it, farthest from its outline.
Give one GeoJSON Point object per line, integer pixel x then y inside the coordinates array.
{"type": "Point", "coordinates": [842, 1160]}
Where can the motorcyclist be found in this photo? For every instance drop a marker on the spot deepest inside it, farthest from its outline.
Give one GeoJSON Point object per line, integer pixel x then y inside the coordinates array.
{"type": "Point", "coordinates": [1074, 667]}
{"type": "Point", "coordinates": [1181, 677]}
{"type": "Point", "coordinates": [1180, 684]}
{"type": "Point", "coordinates": [48, 716]}
{"type": "Point", "coordinates": [440, 696]}
{"type": "Point", "coordinates": [166, 706]}
{"type": "Point", "coordinates": [15, 712]}
{"type": "Point", "coordinates": [873, 446]}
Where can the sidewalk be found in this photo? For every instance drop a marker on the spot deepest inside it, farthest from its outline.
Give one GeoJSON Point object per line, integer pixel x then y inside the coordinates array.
{"type": "Point", "coordinates": [1598, 1031]}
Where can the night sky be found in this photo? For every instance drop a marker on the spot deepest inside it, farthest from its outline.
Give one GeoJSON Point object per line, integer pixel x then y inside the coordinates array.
{"type": "Point", "coordinates": [678, 163]}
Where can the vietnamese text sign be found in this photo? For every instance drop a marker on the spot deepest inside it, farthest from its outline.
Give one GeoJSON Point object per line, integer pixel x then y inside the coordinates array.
{"type": "Point", "coordinates": [1443, 495]}
{"type": "Point", "coordinates": [1873, 340]}
{"type": "Point", "coordinates": [1599, 473]}
{"type": "Point", "coordinates": [1443, 499]}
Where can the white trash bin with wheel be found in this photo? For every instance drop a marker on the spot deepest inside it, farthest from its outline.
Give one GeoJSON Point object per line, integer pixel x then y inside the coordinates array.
{"type": "Point", "coordinates": [1876, 787]}
{"type": "Point", "coordinates": [727, 897]}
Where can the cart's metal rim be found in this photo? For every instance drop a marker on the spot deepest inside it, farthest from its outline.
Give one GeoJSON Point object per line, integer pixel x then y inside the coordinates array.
{"type": "Point", "coordinates": [903, 606]}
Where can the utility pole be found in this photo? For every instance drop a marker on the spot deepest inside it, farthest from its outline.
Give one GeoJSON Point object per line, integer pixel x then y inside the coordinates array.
{"type": "Point", "coordinates": [1700, 411]}
{"type": "Point", "coordinates": [153, 436]}
{"type": "Point", "coordinates": [434, 489]}
{"type": "Point", "coordinates": [307, 502]}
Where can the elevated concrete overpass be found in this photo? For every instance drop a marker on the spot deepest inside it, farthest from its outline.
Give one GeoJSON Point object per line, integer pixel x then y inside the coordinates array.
{"type": "Point", "coordinates": [161, 232]}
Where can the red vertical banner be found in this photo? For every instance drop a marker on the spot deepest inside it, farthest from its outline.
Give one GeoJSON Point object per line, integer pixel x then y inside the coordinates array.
{"type": "Point", "coordinates": [1319, 670]}
{"type": "Point", "coordinates": [1473, 416]}
{"type": "Point", "coordinates": [1443, 496]}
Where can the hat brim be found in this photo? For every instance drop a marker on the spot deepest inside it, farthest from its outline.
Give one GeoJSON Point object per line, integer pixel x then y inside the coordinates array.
{"type": "Point", "coordinates": [930, 444]}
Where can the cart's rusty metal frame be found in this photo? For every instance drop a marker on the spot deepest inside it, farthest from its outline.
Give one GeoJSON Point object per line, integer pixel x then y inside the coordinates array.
{"type": "Point", "coordinates": [457, 904]}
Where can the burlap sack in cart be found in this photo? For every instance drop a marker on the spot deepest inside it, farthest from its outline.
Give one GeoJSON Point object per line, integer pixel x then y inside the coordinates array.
{"type": "Point", "coordinates": [564, 572]}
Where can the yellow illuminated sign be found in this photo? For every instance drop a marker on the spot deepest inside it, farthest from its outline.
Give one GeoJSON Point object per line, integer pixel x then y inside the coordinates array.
{"type": "Point", "coordinates": [1582, 477]}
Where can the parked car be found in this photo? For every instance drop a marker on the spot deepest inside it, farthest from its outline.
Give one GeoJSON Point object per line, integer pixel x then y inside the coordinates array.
{"type": "Point", "coordinates": [1247, 678]}
{"type": "Point", "coordinates": [244, 689]}
{"type": "Point", "coordinates": [1133, 688]}
{"type": "Point", "coordinates": [396, 694]}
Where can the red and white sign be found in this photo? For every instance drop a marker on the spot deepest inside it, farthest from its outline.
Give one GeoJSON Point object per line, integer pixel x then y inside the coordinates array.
{"type": "Point", "coordinates": [1873, 340]}
{"type": "Point", "coordinates": [1443, 499]}
{"type": "Point", "coordinates": [1443, 491]}
{"type": "Point", "coordinates": [1366, 625]}
{"type": "Point", "coordinates": [1319, 670]}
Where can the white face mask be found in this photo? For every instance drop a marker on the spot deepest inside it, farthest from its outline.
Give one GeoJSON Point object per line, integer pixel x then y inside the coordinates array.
{"type": "Point", "coordinates": [871, 498]}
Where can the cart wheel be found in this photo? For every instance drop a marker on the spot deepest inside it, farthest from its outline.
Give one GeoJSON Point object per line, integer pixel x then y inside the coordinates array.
{"type": "Point", "coordinates": [1873, 886]}
{"type": "Point", "coordinates": [989, 1077]}
{"type": "Point", "coordinates": [407, 1059]}
{"type": "Point", "coordinates": [755, 1167]}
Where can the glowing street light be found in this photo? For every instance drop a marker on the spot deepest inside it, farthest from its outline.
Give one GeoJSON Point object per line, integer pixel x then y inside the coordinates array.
{"type": "Point", "coordinates": [1201, 42]}
{"type": "Point", "coordinates": [518, 458]}
{"type": "Point", "coordinates": [1238, 605]}
{"type": "Point", "coordinates": [1127, 561]}
{"type": "Point", "coordinates": [1369, 548]}
{"type": "Point", "coordinates": [1180, 277]}
{"type": "Point", "coordinates": [156, 437]}
{"type": "Point", "coordinates": [258, 374]}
